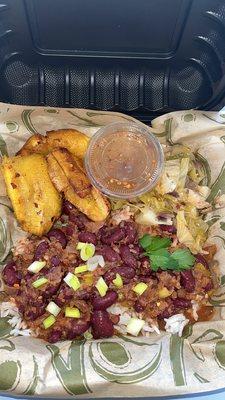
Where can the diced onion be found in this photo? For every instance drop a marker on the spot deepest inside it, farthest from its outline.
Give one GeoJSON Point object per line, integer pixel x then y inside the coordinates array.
{"type": "Point", "coordinates": [102, 287]}
{"type": "Point", "coordinates": [164, 292]}
{"type": "Point", "coordinates": [140, 288]}
{"type": "Point", "coordinates": [39, 282]}
{"type": "Point", "coordinates": [53, 309]}
{"type": "Point", "coordinates": [72, 312]}
{"type": "Point", "coordinates": [134, 326]}
{"type": "Point", "coordinates": [118, 281]}
{"type": "Point", "coordinates": [80, 269]}
{"type": "Point", "coordinates": [36, 266]}
{"type": "Point", "coordinates": [49, 321]}
{"type": "Point", "coordinates": [93, 262]}
{"type": "Point", "coordinates": [72, 281]}
{"type": "Point", "coordinates": [87, 251]}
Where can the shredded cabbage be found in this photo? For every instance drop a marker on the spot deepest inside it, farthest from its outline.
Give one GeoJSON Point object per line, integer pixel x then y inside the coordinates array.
{"type": "Point", "coordinates": [184, 165]}
{"type": "Point", "coordinates": [196, 199]}
{"type": "Point", "coordinates": [191, 229]}
{"type": "Point", "coordinates": [177, 194]}
{"type": "Point", "coordinates": [170, 177]}
{"type": "Point", "coordinates": [147, 217]}
{"type": "Point", "coordinates": [196, 171]}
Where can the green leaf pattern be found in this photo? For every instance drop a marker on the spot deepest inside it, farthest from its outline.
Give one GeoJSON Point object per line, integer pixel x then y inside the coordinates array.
{"type": "Point", "coordinates": [158, 365]}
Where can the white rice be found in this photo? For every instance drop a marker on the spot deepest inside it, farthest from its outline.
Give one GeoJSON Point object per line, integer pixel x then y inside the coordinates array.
{"type": "Point", "coordinates": [195, 308]}
{"type": "Point", "coordinates": [125, 316]}
{"type": "Point", "coordinates": [19, 328]}
{"type": "Point", "coordinates": [176, 324]}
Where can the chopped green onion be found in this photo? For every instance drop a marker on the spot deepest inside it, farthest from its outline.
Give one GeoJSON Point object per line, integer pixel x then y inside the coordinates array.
{"type": "Point", "coordinates": [49, 321]}
{"type": "Point", "coordinates": [53, 309]}
{"type": "Point", "coordinates": [39, 282]}
{"type": "Point", "coordinates": [140, 288]}
{"type": "Point", "coordinates": [118, 281]}
{"type": "Point", "coordinates": [88, 335]}
{"type": "Point", "coordinates": [72, 281]}
{"type": "Point", "coordinates": [80, 245]}
{"type": "Point", "coordinates": [134, 326]}
{"type": "Point", "coordinates": [102, 287]}
{"type": "Point", "coordinates": [80, 269]}
{"type": "Point", "coordinates": [72, 312]}
{"type": "Point", "coordinates": [36, 266]}
{"type": "Point", "coordinates": [87, 251]}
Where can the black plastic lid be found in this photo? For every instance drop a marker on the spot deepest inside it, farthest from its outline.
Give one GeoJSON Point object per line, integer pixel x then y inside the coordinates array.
{"type": "Point", "coordinates": [143, 57]}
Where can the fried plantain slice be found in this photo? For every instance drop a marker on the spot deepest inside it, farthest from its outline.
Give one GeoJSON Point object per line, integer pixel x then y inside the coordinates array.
{"type": "Point", "coordinates": [72, 169]}
{"type": "Point", "coordinates": [35, 144]}
{"type": "Point", "coordinates": [74, 141]}
{"type": "Point", "coordinates": [35, 200]}
{"type": "Point", "coordinates": [93, 204]}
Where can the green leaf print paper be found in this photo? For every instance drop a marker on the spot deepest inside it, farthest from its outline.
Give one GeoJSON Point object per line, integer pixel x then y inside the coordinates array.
{"type": "Point", "coordinates": [160, 365]}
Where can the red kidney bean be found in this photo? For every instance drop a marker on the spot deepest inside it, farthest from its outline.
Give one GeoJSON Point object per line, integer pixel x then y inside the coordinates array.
{"type": "Point", "coordinates": [101, 324]}
{"type": "Point", "coordinates": [69, 231]}
{"type": "Point", "coordinates": [55, 336]}
{"type": "Point", "coordinates": [168, 312]}
{"type": "Point", "coordinates": [209, 286]}
{"type": "Point", "coordinates": [127, 273]}
{"type": "Point", "coordinates": [181, 303]}
{"type": "Point", "coordinates": [163, 216]}
{"type": "Point", "coordinates": [77, 328]}
{"type": "Point", "coordinates": [168, 228]}
{"type": "Point", "coordinates": [127, 257]}
{"type": "Point", "coordinates": [59, 235]}
{"type": "Point", "coordinates": [87, 237]}
{"type": "Point", "coordinates": [34, 314]}
{"type": "Point", "coordinates": [102, 303]}
{"type": "Point", "coordinates": [201, 259]}
{"type": "Point", "coordinates": [115, 235]}
{"type": "Point", "coordinates": [41, 250]}
{"type": "Point", "coordinates": [130, 232]}
{"type": "Point", "coordinates": [65, 294]}
{"type": "Point", "coordinates": [10, 274]}
{"type": "Point", "coordinates": [21, 308]}
{"type": "Point", "coordinates": [103, 231]}
{"type": "Point", "coordinates": [54, 261]}
{"type": "Point", "coordinates": [29, 276]}
{"type": "Point", "coordinates": [143, 278]}
{"type": "Point", "coordinates": [145, 268]}
{"type": "Point", "coordinates": [108, 253]}
{"type": "Point", "coordinates": [138, 307]}
{"type": "Point", "coordinates": [67, 207]}
{"type": "Point", "coordinates": [174, 194]}
{"type": "Point", "coordinates": [50, 290]}
{"type": "Point", "coordinates": [83, 295]}
{"type": "Point", "coordinates": [136, 250]}
{"type": "Point", "coordinates": [79, 220]}
{"type": "Point", "coordinates": [187, 280]}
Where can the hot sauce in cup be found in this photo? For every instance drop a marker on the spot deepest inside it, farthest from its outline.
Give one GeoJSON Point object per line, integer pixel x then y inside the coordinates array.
{"type": "Point", "coordinates": [124, 160]}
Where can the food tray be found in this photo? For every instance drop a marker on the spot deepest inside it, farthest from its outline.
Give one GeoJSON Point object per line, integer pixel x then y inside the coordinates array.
{"type": "Point", "coordinates": [161, 365]}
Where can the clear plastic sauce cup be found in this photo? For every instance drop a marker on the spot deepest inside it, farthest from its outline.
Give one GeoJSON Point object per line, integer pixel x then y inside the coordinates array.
{"type": "Point", "coordinates": [124, 160]}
